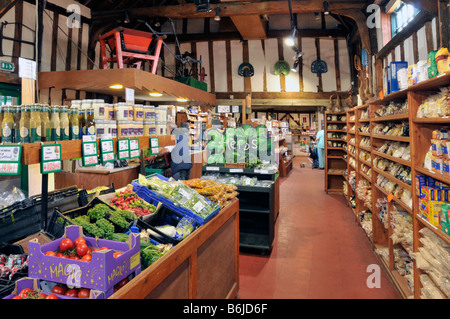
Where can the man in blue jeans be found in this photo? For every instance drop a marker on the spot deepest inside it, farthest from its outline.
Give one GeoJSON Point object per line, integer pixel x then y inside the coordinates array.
{"type": "Point", "coordinates": [181, 162]}
{"type": "Point", "coordinates": [320, 139]}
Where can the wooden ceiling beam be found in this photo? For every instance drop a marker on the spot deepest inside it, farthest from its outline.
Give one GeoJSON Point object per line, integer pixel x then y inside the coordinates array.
{"type": "Point", "coordinates": [188, 10]}
{"type": "Point", "coordinates": [250, 27]}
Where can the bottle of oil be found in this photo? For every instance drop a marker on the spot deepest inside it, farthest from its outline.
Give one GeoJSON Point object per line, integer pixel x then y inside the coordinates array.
{"type": "Point", "coordinates": [81, 122]}
{"type": "Point", "coordinates": [89, 128]}
{"type": "Point", "coordinates": [45, 124]}
{"type": "Point", "coordinates": [55, 124]}
{"type": "Point", "coordinates": [64, 123]}
{"type": "Point", "coordinates": [35, 124]}
{"type": "Point", "coordinates": [16, 131]}
{"type": "Point", "coordinates": [74, 124]}
{"type": "Point", "coordinates": [8, 124]}
{"type": "Point", "coordinates": [24, 124]}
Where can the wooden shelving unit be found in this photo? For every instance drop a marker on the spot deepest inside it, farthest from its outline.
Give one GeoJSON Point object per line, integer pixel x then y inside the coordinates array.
{"type": "Point", "coordinates": [335, 151]}
{"type": "Point", "coordinates": [419, 139]}
{"type": "Point", "coordinates": [286, 159]}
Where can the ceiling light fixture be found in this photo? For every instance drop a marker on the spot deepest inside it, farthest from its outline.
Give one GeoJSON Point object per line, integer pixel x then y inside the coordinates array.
{"type": "Point", "coordinates": [294, 67]}
{"type": "Point", "coordinates": [290, 41]}
{"type": "Point", "coordinates": [127, 18]}
{"type": "Point", "coordinates": [217, 17]}
{"type": "Point", "coordinates": [116, 86]}
{"type": "Point", "coordinates": [181, 99]}
{"type": "Point", "coordinates": [155, 94]}
{"type": "Point", "coordinates": [325, 7]}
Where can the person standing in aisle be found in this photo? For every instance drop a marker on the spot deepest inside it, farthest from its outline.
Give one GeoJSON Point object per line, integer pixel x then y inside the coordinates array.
{"type": "Point", "coordinates": [320, 140]}
{"type": "Point", "coordinates": [181, 162]}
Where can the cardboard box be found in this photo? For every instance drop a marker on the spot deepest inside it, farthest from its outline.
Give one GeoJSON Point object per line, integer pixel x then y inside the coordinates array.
{"type": "Point", "coordinates": [35, 285]}
{"type": "Point", "coordinates": [41, 237]}
{"type": "Point", "coordinates": [101, 273]}
{"type": "Point", "coordinates": [393, 79]}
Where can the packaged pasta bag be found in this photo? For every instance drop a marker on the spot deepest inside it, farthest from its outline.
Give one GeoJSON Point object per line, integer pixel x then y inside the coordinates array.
{"type": "Point", "coordinates": [432, 65]}
{"type": "Point", "coordinates": [442, 60]}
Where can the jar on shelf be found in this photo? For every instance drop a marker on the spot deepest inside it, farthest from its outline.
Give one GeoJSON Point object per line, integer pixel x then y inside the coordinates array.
{"type": "Point", "coordinates": [152, 113]}
{"type": "Point", "coordinates": [114, 129]}
{"type": "Point", "coordinates": [146, 128]}
{"type": "Point", "coordinates": [35, 124]}
{"type": "Point", "coordinates": [109, 112]}
{"type": "Point", "coordinates": [8, 124]}
{"type": "Point", "coordinates": [122, 111]}
{"type": "Point", "coordinates": [146, 110]}
{"type": "Point", "coordinates": [86, 104]}
{"type": "Point", "coordinates": [130, 112]}
{"type": "Point", "coordinates": [100, 128]}
{"type": "Point", "coordinates": [140, 128]}
{"type": "Point", "coordinates": [64, 123]}
{"type": "Point", "coordinates": [139, 112]}
{"type": "Point", "coordinates": [163, 113]}
{"type": "Point", "coordinates": [122, 129]}
{"type": "Point", "coordinates": [89, 128]}
{"type": "Point", "coordinates": [152, 127]}
{"type": "Point", "coordinates": [99, 109]}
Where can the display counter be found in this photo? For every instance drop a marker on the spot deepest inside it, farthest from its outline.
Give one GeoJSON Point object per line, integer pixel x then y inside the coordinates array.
{"type": "Point", "coordinates": [204, 265]}
{"type": "Point", "coordinates": [91, 177]}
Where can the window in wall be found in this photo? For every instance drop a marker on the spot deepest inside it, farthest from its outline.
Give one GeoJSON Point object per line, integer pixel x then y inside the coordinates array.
{"type": "Point", "coordinates": [401, 16]}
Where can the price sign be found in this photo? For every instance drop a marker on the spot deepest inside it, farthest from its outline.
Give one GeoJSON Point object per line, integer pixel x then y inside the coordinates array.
{"type": "Point", "coordinates": [134, 148]}
{"type": "Point", "coordinates": [10, 156]}
{"type": "Point", "coordinates": [90, 154]}
{"type": "Point", "coordinates": [124, 148]}
{"type": "Point", "coordinates": [51, 158]}
{"type": "Point", "coordinates": [107, 149]}
{"type": "Point", "coordinates": [154, 145]}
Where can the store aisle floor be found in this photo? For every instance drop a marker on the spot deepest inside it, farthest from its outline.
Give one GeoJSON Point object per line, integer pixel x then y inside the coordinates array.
{"type": "Point", "coordinates": [319, 250]}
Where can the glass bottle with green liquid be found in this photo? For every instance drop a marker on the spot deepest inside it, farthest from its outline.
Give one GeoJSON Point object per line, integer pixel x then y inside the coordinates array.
{"type": "Point", "coordinates": [64, 123]}
{"type": "Point", "coordinates": [45, 123]}
{"type": "Point", "coordinates": [8, 124]}
{"type": "Point", "coordinates": [55, 125]}
{"type": "Point", "coordinates": [74, 124]}
{"type": "Point", "coordinates": [81, 122]}
{"type": "Point", "coordinates": [17, 111]}
{"type": "Point", "coordinates": [24, 124]}
{"type": "Point", "coordinates": [89, 128]}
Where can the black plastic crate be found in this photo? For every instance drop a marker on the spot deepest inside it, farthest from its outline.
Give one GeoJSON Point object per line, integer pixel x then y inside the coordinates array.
{"type": "Point", "coordinates": [85, 198]}
{"type": "Point", "coordinates": [7, 285]}
{"type": "Point", "coordinates": [20, 220]}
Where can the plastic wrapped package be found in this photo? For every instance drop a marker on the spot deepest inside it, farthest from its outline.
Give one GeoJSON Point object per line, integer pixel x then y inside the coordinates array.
{"type": "Point", "coordinates": [8, 198]}
{"type": "Point", "coordinates": [429, 289]}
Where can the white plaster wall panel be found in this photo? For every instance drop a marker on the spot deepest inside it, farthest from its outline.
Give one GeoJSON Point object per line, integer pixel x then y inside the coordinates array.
{"type": "Point", "coordinates": [409, 54]}
{"type": "Point", "coordinates": [97, 56]}
{"type": "Point", "coordinates": [310, 80]}
{"type": "Point", "coordinates": [422, 44]}
{"type": "Point", "coordinates": [236, 60]}
{"type": "Point", "coordinates": [47, 40]}
{"type": "Point", "coordinates": [7, 46]}
{"type": "Point", "coordinates": [344, 66]}
{"type": "Point", "coordinates": [271, 57]}
{"type": "Point", "coordinates": [327, 55]}
{"type": "Point", "coordinates": [29, 18]}
{"type": "Point", "coordinates": [398, 53]}
{"type": "Point", "coordinates": [62, 45]}
{"type": "Point", "coordinates": [434, 31]}
{"type": "Point", "coordinates": [84, 47]}
{"type": "Point", "coordinates": [195, 25]}
{"type": "Point", "coordinates": [379, 31]}
{"type": "Point", "coordinates": [169, 60]}
{"type": "Point", "coordinates": [220, 66]}
{"type": "Point", "coordinates": [292, 79]}
{"type": "Point", "coordinates": [202, 51]}
{"type": "Point", "coordinates": [257, 59]}
{"type": "Point", "coordinates": [74, 48]}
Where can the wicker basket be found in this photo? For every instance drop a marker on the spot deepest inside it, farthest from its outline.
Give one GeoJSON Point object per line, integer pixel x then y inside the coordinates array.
{"type": "Point", "coordinates": [235, 165]}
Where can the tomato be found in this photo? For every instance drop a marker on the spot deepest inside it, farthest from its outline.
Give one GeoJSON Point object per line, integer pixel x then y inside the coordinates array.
{"type": "Point", "coordinates": [84, 293]}
{"type": "Point", "coordinates": [60, 290]}
{"type": "Point", "coordinates": [17, 297]}
{"type": "Point", "coordinates": [42, 296]}
{"type": "Point", "coordinates": [100, 249]}
{"type": "Point", "coordinates": [79, 240]}
{"type": "Point", "coordinates": [50, 253]}
{"type": "Point", "coordinates": [117, 254]}
{"type": "Point", "coordinates": [86, 258]}
{"type": "Point", "coordinates": [123, 282]}
{"type": "Point", "coordinates": [59, 254]}
{"type": "Point", "coordinates": [82, 249]}
{"type": "Point", "coordinates": [51, 296]}
{"type": "Point", "coordinates": [65, 244]}
{"type": "Point", "coordinates": [72, 293]}
{"type": "Point", "coordinates": [75, 258]}
{"type": "Point", "coordinates": [25, 292]}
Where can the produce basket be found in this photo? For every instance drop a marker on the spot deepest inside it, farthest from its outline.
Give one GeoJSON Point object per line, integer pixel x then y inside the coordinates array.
{"type": "Point", "coordinates": [20, 220]}
{"type": "Point", "coordinates": [149, 195]}
{"type": "Point", "coordinates": [85, 197]}
{"type": "Point", "coordinates": [102, 273]}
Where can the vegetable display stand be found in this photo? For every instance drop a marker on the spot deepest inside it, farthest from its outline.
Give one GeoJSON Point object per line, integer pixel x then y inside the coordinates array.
{"type": "Point", "coordinates": [258, 208]}
{"type": "Point", "coordinates": [205, 265]}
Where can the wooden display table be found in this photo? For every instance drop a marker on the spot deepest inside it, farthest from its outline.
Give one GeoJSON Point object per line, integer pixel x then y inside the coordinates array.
{"type": "Point", "coordinates": [91, 177]}
{"type": "Point", "coordinates": [205, 265]}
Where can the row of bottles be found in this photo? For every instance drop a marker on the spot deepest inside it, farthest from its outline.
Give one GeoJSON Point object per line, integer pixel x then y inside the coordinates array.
{"type": "Point", "coordinates": [42, 123]}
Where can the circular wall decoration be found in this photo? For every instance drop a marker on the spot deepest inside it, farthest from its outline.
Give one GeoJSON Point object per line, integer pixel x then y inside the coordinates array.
{"type": "Point", "coordinates": [246, 70]}
{"type": "Point", "coordinates": [282, 67]}
{"type": "Point", "coordinates": [319, 67]}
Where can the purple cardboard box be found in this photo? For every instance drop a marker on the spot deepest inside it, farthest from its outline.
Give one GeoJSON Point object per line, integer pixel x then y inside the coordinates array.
{"type": "Point", "coordinates": [101, 273]}
{"type": "Point", "coordinates": [34, 284]}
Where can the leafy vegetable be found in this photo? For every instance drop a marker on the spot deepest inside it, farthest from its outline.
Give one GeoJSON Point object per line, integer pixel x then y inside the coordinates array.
{"type": "Point", "coordinates": [92, 229]}
{"type": "Point", "coordinates": [99, 211]}
{"type": "Point", "coordinates": [105, 225]}
{"type": "Point", "coordinates": [116, 218]}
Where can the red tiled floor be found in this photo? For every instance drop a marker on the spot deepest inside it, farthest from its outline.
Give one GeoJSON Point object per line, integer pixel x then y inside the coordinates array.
{"type": "Point", "coordinates": [319, 250]}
